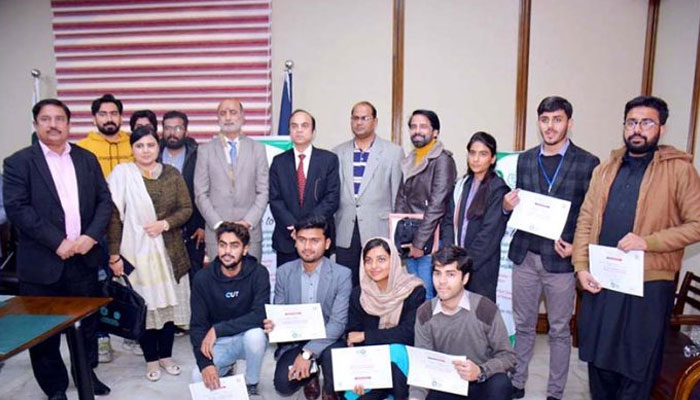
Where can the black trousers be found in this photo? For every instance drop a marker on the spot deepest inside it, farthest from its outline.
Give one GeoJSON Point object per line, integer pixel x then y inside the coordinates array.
{"type": "Point", "coordinates": [77, 280]}
{"type": "Point", "coordinates": [497, 387]}
{"type": "Point", "coordinates": [158, 343]}
{"type": "Point", "coordinates": [285, 387]}
{"type": "Point", "coordinates": [350, 257]}
{"type": "Point", "coordinates": [196, 256]}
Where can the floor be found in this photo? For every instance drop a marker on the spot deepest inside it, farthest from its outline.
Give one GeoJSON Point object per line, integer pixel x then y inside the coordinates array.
{"type": "Point", "coordinates": [125, 375]}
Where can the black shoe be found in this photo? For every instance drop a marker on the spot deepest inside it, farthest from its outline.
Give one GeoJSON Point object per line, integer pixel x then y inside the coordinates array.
{"type": "Point", "coordinates": [552, 398]}
{"type": "Point", "coordinates": [99, 388]}
{"type": "Point", "coordinates": [312, 389]}
{"type": "Point", "coordinates": [252, 389]}
{"type": "Point", "coordinates": [517, 393]}
{"type": "Point", "coordinates": [58, 396]}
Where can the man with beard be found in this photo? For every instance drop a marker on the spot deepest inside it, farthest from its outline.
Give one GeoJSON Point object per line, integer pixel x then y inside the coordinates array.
{"type": "Point", "coordinates": [645, 197]}
{"type": "Point", "coordinates": [370, 174]}
{"type": "Point", "coordinates": [180, 151]}
{"type": "Point", "coordinates": [560, 169]}
{"type": "Point", "coordinates": [429, 174]}
{"type": "Point", "coordinates": [109, 144]}
{"type": "Point", "coordinates": [228, 307]}
{"type": "Point", "coordinates": [231, 179]}
{"type": "Point", "coordinates": [311, 279]}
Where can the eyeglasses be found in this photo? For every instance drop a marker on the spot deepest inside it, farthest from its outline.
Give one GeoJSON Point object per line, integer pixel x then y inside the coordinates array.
{"type": "Point", "coordinates": [363, 118]}
{"type": "Point", "coordinates": [174, 128]}
{"type": "Point", "coordinates": [646, 124]}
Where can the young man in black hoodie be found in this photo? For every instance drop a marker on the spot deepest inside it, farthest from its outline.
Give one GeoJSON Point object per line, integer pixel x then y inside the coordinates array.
{"type": "Point", "coordinates": [228, 307]}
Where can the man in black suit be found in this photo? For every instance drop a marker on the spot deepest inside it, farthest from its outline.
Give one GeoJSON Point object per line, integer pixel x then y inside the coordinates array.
{"type": "Point", "coordinates": [560, 169]}
{"type": "Point", "coordinates": [57, 198]}
{"type": "Point", "coordinates": [304, 181]}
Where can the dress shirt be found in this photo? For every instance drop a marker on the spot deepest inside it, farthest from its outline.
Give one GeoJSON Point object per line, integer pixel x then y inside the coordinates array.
{"type": "Point", "coordinates": [177, 161]}
{"type": "Point", "coordinates": [309, 284]}
{"type": "Point", "coordinates": [463, 303]}
{"type": "Point", "coordinates": [307, 159]}
{"type": "Point", "coordinates": [66, 182]}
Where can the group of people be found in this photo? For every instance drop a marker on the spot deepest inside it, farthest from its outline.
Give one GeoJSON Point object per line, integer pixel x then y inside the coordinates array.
{"type": "Point", "coordinates": [150, 205]}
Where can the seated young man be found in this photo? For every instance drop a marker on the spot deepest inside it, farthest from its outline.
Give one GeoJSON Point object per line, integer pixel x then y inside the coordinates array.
{"type": "Point", "coordinates": [228, 307]}
{"type": "Point", "coordinates": [459, 322]}
{"type": "Point", "coordinates": [311, 279]}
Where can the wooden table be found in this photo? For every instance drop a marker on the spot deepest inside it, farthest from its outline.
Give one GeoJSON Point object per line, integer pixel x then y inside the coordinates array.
{"type": "Point", "coordinates": [76, 308]}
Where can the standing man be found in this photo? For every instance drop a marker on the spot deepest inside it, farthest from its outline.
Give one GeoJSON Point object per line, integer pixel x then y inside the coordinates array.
{"type": "Point", "coordinates": [57, 198]}
{"type": "Point", "coordinates": [429, 174]}
{"type": "Point", "coordinates": [645, 197]}
{"type": "Point", "coordinates": [560, 169]}
{"type": "Point", "coordinates": [304, 181]}
{"type": "Point", "coordinates": [311, 279]}
{"type": "Point", "coordinates": [180, 151]}
{"type": "Point", "coordinates": [109, 143]}
{"type": "Point", "coordinates": [231, 179]}
{"type": "Point", "coordinates": [370, 174]}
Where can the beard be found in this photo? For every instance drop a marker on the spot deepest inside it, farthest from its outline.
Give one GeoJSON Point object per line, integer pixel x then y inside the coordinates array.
{"type": "Point", "coordinates": [233, 264]}
{"type": "Point", "coordinates": [643, 148]}
{"type": "Point", "coordinates": [174, 143]}
{"type": "Point", "coordinates": [421, 141]}
{"type": "Point", "coordinates": [109, 129]}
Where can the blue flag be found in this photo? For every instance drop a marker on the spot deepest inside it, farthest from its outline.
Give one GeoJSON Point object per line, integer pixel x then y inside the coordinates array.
{"type": "Point", "coordinates": [286, 104]}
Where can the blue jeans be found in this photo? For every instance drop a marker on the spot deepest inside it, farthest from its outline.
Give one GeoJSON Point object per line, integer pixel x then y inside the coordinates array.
{"type": "Point", "coordinates": [423, 268]}
{"type": "Point", "coordinates": [249, 346]}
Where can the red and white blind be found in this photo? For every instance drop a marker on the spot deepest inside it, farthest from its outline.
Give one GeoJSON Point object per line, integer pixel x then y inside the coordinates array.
{"type": "Point", "coordinates": [165, 55]}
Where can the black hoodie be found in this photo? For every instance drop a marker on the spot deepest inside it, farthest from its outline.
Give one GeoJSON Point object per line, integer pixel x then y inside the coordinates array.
{"type": "Point", "coordinates": [230, 305]}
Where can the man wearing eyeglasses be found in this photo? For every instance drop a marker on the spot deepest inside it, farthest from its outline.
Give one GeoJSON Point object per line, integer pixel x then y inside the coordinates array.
{"type": "Point", "coordinates": [370, 174]}
{"type": "Point", "coordinates": [645, 197]}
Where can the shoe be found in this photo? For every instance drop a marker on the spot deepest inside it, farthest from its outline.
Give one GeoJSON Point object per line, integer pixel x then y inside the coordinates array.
{"type": "Point", "coordinates": [329, 396]}
{"type": "Point", "coordinates": [252, 389]}
{"type": "Point", "coordinates": [312, 390]}
{"type": "Point", "coordinates": [104, 350]}
{"type": "Point", "coordinates": [58, 396]}
{"type": "Point", "coordinates": [99, 388]}
{"type": "Point", "coordinates": [180, 331]}
{"type": "Point", "coordinates": [152, 371]}
{"type": "Point", "coordinates": [517, 393]}
{"type": "Point", "coordinates": [552, 398]}
{"type": "Point", "coordinates": [129, 345]}
{"type": "Point", "coordinates": [169, 366]}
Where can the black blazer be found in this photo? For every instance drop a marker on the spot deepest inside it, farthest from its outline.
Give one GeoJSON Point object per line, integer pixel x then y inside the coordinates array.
{"type": "Point", "coordinates": [321, 194]}
{"type": "Point", "coordinates": [483, 237]}
{"type": "Point", "coordinates": [33, 206]}
{"type": "Point", "coordinates": [571, 184]}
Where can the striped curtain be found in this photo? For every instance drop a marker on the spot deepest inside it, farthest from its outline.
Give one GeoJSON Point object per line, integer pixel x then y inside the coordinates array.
{"type": "Point", "coordinates": [165, 55]}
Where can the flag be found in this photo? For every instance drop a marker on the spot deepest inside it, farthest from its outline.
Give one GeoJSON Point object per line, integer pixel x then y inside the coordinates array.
{"type": "Point", "coordinates": [286, 104]}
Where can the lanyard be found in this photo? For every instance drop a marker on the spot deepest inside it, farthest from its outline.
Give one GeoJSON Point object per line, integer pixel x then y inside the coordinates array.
{"type": "Point", "coordinates": [550, 182]}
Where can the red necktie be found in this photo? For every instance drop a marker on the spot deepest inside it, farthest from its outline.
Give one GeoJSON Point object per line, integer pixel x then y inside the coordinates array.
{"type": "Point", "coordinates": [301, 179]}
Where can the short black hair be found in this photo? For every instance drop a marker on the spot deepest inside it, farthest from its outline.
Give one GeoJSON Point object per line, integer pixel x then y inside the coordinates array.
{"type": "Point", "coordinates": [239, 230]}
{"type": "Point", "coordinates": [451, 253]}
{"type": "Point", "coordinates": [140, 132]}
{"type": "Point", "coordinates": [314, 221]}
{"type": "Point", "coordinates": [143, 114]}
{"type": "Point", "coordinates": [431, 115]}
{"type": "Point", "coordinates": [651, 102]}
{"type": "Point", "coordinates": [368, 104]}
{"type": "Point", "coordinates": [555, 103]}
{"type": "Point", "coordinates": [299, 110]}
{"type": "Point", "coordinates": [176, 114]}
{"type": "Point", "coordinates": [376, 242]}
{"type": "Point", "coordinates": [106, 98]}
{"type": "Point", "coordinates": [50, 102]}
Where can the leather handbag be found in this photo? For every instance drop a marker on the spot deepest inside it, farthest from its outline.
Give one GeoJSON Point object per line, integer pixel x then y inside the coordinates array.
{"type": "Point", "coordinates": [125, 316]}
{"type": "Point", "coordinates": [406, 229]}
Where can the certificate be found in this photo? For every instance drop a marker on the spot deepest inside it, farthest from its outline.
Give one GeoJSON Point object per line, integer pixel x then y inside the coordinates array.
{"type": "Point", "coordinates": [616, 270]}
{"type": "Point", "coordinates": [540, 215]}
{"type": "Point", "coordinates": [435, 371]}
{"type": "Point", "coordinates": [232, 387]}
{"type": "Point", "coordinates": [369, 366]}
{"type": "Point", "coordinates": [294, 322]}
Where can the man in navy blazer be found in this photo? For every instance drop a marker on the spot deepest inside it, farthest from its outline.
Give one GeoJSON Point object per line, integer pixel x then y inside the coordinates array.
{"type": "Point", "coordinates": [304, 181]}
{"type": "Point", "coordinates": [312, 279]}
{"type": "Point", "coordinates": [57, 198]}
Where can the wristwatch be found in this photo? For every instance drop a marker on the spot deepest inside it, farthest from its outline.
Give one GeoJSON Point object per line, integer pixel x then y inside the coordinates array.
{"type": "Point", "coordinates": [482, 376]}
{"type": "Point", "coordinates": [306, 355]}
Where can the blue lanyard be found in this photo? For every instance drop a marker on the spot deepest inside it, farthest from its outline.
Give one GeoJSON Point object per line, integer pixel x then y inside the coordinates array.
{"type": "Point", "coordinates": [550, 182]}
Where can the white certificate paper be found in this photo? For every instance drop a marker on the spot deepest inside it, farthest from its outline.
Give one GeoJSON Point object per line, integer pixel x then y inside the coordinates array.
{"type": "Point", "coordinates": [294, 322]}
{"type": "Point", "coordinates": [540, 215]}
{"type": "Point", "coordinates": [232, 387]}
{"type": "Point", "coordinates": [435, 371]}
{"type": "Point", "coordinates": [616, 270]}
{"type": "Point", "coordinates": [369, 366]}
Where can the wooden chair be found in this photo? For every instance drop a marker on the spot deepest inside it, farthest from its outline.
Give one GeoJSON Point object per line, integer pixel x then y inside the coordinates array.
{"type": "Point", "coordinates": [9, 282]}
{"type": "Point", "coordinates": [680, 375]}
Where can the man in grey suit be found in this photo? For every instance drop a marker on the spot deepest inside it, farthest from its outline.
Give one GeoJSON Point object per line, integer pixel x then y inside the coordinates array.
{"type": "Point", "coordinates": [370, 174]}
{"type": "Point", "coordinates": [231, 179]}
{"type": "Point", "coordinates": [311, 279]}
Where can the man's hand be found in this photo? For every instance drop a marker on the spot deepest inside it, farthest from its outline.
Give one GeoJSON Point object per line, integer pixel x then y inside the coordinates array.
{"type": "Point", "coordinates": [300, 369]}
{"type": "Point", "coordinates": [511, 200]}
{"type": "Point", "coordinates": [66, 249]}
{"type": "Point", "coordinates": [210, 376]}
{"type": "Point", "coordinates": [415, 252]}
{"type": "Point", "coordinates": [268, 325]}
{"type": "Point", "coordinates": [207, 347]}
{"type": "Point", "coordinates": [631, 242]}
{"type": "Point", "coordinates": [154, 229]}
{"type": "Point", "coordinates": [198, 237]}
{"type": "Point", "coordinates": [588, 282]}
{"type": "Point", "coordinates": [467, 370]}
{"type": "Point", "coordinates": [355, 337]}
{"type": "Point", "coordinates": [358, 390]}
{"type": "Point", "coordinates": [563, 248]}
{"type": "Point", "coordinates": [116, 264]}
{"type": "Point", "coordinates": [83, 244]}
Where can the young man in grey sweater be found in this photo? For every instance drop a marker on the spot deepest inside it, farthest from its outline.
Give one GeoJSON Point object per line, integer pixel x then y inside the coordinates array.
{"type": "Point", "coordinates": [458, 322]}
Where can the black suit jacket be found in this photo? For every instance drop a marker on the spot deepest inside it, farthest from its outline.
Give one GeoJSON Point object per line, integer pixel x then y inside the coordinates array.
{"type": "Point", "coordinates": [33, 206]}
{"type": "Point", "coordinates": [571, 184]}
{"type": "Point", "coordinates": [321, 194]}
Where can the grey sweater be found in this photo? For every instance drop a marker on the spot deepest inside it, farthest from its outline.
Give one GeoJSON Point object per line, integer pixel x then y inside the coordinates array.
{"type": "Point", "coordinates": [478, 333]}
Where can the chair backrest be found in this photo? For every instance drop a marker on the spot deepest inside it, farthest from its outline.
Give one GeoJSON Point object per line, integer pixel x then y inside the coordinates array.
{"type": "Point", "coordinates": [690, 285]}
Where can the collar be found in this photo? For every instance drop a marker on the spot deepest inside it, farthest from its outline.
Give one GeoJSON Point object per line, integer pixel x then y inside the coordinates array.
{"type": "Point", "coordinates": [317, 270]}
{"type": "Point", "coordinates": [355, 148]}
{"type": "Point", "coordinates": [306, 152]}
{"type": "Point", "coordinates": [463, 303]}
{"type": "Point", "coordinates": [561, 151]}
{"type": "Point", "coordinates": [227, 142]}
{"type": "Point", "coordinates": [46, 150]}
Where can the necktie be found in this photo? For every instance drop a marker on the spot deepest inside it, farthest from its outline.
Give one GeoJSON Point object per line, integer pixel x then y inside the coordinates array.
{"type": "Point", "coordinates": [232, 153]}
{"type": "Point", "coordinates": [301, 179]}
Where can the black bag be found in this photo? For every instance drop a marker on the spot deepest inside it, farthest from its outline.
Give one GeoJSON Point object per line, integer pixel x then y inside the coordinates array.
{"type": "Point", "coordinates": [406, 228]}
{"type": "Point", "coordinates": [125, 316]}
